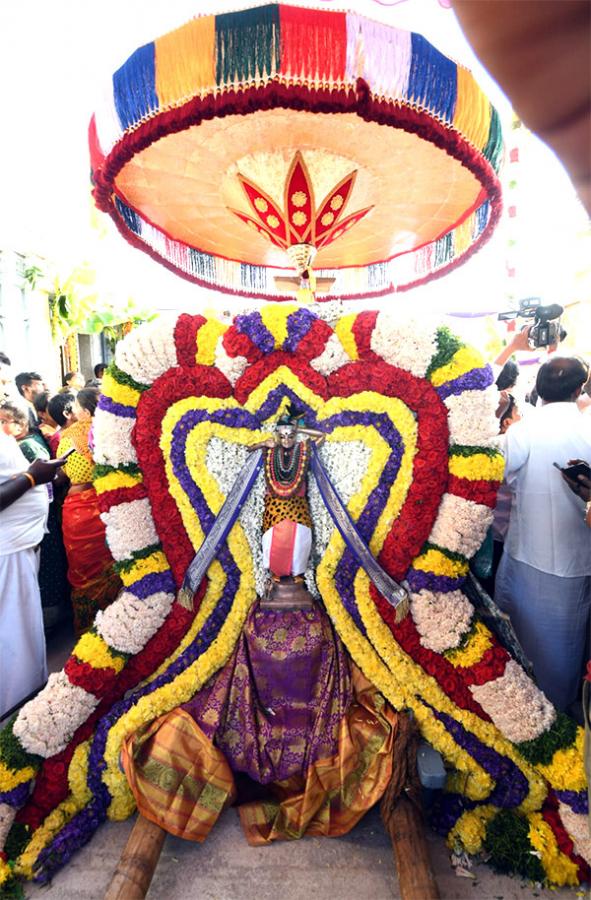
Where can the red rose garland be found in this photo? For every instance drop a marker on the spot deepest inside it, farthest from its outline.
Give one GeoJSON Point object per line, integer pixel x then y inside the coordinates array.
{"type": "Point", "coordinates": [257, 373]}
{"type": "Point", "coordinates": [185, 338]}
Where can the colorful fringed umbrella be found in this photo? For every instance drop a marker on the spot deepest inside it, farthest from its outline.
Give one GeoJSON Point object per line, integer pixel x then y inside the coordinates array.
{"type": "Point", "coordinates": [243, 144]}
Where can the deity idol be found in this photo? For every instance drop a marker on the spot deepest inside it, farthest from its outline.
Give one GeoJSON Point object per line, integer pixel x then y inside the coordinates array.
{"type": "Point", "coordinates": [289, 729]}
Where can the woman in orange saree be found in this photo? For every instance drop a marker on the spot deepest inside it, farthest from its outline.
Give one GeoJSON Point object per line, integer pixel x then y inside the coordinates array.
{"type": "Point", "coordinates": [94, 582]}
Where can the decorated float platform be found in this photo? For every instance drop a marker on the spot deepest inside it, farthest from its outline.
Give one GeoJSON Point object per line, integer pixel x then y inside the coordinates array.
{"type": "Point", "coordinates": [367, 159]}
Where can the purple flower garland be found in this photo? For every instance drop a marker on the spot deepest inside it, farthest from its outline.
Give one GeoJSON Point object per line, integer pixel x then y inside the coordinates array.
{"type": "Point", "coordinates": [348, 565]}
{"type": "Point", "coordinates": [252, 325]}
{"type": "Point", "coordinates": [118, 409]}
{"type": "Point", "coordinates": [511, 785]}
{"type": "Point", "coordinates": [577, 800]}
{"type": "Point", "coordinates": [298, 326]}
{"type": "Point", "coordinates": [475, 380]}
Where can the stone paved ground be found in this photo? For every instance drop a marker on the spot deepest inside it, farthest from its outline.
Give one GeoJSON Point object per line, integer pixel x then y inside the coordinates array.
{"type": "Point", "coordinates": [358, 866]}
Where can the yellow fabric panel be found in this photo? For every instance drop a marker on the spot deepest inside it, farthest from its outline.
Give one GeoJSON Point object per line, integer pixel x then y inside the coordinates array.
{"type": "Point", "coordinates": [473, 110]}
{"type": "Point", "coordinates": [463, 236]}
{"type": "Point", "coordinates": [185, 61]}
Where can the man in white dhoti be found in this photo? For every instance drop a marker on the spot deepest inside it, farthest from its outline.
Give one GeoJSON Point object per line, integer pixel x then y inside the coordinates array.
{"type": "Point", "coordinates": [544, 579]}
{"type": "Point", "coordinates": [24, 503]}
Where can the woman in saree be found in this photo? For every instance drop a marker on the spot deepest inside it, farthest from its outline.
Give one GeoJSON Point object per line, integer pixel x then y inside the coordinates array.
{"type": "Point", "coordinates": [91, 575]}
{"type": "Point", "coordinates": [289, 728]}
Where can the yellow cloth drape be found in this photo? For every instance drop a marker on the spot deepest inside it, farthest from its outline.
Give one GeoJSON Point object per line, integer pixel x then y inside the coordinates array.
{"type": "Point", "coordinates": [182, 782]}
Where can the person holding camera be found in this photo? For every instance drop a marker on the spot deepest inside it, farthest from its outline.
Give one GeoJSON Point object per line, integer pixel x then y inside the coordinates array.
{"type": "Point", "coordinates": [544, 579]}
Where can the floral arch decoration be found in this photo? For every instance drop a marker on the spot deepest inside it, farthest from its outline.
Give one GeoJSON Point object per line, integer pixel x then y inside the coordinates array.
{"type": "Point", "coordinates": [408, 413]}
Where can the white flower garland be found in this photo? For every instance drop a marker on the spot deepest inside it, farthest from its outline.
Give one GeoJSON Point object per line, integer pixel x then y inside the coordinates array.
{"type": "Point", "coordinates": [577, 826]}
{"type": "Point", "coordinates": [112, 439]}
{"type": "Point", "coordinates": [130, 527]}
{"type": "Point", "coordinates": [231, 366]}
{"type": "Point", "coordinates": [517, 707]}
{"type": "Point", "coordinates": [330, 311]}
{"type": "Point", "coordinates": [461, 525]}
{"type": "Point", "coordinates": [224, 463]}
{"type": "Point", "coordinates": [408, 344]}
{"type": "Point", "coordinates": [7, 814]}
{"type": "Point", "coordinates": [332, 357]}
{"type": "Point", "coordinates": [149, 351]}
{"type": "Point", "coordinates": [47, 723]}
{"type": "Point", "coordinates": [441, 619]}
{"type": "Point", "coordinates": [128, 624]}
{"type": "Point", "coordinates": [471, 418]}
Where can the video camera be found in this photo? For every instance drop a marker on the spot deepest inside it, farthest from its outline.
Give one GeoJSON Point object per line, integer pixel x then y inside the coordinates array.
{"type": "Point", "coordinates": [546, 329]}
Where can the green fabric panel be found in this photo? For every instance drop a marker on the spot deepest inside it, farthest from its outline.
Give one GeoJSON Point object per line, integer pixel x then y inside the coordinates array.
{"type": "Point", "coordinates": [247, 44]}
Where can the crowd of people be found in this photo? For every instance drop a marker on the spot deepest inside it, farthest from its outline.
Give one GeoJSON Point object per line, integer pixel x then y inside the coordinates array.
{"type": "Point", "coordinates": [54, 562]}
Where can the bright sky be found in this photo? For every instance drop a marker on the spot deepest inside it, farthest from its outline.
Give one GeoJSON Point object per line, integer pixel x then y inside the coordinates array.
{"type": "Point", "coordinates": [54, 58]}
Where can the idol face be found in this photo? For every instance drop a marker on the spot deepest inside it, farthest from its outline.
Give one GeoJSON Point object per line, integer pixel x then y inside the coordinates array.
{"type": "Point", "coordinates": [287, 435]}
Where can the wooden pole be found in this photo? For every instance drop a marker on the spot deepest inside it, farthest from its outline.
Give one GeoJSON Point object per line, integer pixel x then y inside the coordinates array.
{"type": "Point", "coordinates": [415, 876]}
{"type": "Point", "coordinates": [138, 862]}
{"type": "Point", "coordinates": [402, 815]}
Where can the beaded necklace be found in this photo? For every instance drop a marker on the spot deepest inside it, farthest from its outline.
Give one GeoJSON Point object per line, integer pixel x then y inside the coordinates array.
{"type": "Point", "coordinates": [285, 468]}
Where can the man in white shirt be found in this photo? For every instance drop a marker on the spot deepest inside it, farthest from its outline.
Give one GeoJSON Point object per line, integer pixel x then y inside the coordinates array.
{"type": "Point", "coordinates": [544, 579]}
{"type": "Point", "coordinates": [24, 503]}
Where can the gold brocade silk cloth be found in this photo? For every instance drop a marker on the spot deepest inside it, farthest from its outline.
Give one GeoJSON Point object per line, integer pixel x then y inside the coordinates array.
{"type": "Point", "coordinates": [288, 710]}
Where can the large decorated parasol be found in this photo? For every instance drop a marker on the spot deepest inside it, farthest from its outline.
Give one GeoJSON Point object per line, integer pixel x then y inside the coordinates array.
{"type": "Point", "coordinates": [246, 145]}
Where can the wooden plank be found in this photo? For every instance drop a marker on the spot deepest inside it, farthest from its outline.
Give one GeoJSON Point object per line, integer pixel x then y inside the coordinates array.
{"type": "Point", "coordinates": [138, 862]}
{"type": "Point", "coordinates": [415, 875]}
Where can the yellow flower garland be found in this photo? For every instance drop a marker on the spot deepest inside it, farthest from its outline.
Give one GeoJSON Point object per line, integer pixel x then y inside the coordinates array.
{"type": "Point", "coordinates": [559, 868]}
{"type": "Point", "coordinates": [52, 824]}
{"type": "Point", "coordinates": [437, 562]}
{"type": "Point", "coordinates": [472, 652]}
{"type": "Point", "coordinates": [343, 330]}
{"type": "Point", "coordinates": [115, 481]}
{"type": "Point", "coordinates": [408, 672]}
{"type": "Point", "coordinates": [192, 679]}
{"type": "Point", "coordinates": [275, 316]}
{"type": "Point", "coordinates": [11, 778]}
{"type": "Point", "coordinates": [464, 360]}
{"type": "Point", "coordinates": [469, 831]}
{"type": "Point", "coordinates": [91, 648]}
{"type": "Point", "coordinates": [119, 393]}
{"type": "Point", "coordinates": [404, 422]}
{"type": "Point", "coordinates": [154, 563]}
{"type": "Point", "coordinates": [78, 774]}
{"type": "Point", "coordinates": [478, 467]}
{"type": "Point", "coordinates": [566, 772]}
{"type": "Point", "coordinates": [207, 338]}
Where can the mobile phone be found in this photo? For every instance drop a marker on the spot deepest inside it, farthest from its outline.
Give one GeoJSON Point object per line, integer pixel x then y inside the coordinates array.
{"type": "Point", "coordinates": [581, 468]}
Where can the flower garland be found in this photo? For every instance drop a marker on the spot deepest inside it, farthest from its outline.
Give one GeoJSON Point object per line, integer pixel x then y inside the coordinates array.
{"type": "Point", "coordinates": [409, 422]}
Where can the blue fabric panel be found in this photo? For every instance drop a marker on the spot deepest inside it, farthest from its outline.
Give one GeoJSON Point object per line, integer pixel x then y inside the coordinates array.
{"type": "Point", "coordinates": [134, 87]}
{"type": "Point", "coordinates": [129, 216]}
{"type": "Point", "coordinates": [481, 218]}
{"type": "Point", "coordinates": [433, 79]}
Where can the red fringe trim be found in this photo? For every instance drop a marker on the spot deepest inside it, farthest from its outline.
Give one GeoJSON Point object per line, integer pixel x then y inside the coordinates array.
{"type": "Point", "coordinates": [297, 97]}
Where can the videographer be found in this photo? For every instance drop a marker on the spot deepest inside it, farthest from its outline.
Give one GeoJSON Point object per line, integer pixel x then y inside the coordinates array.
{"type": "Point", "coordinates": [544, 579]}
